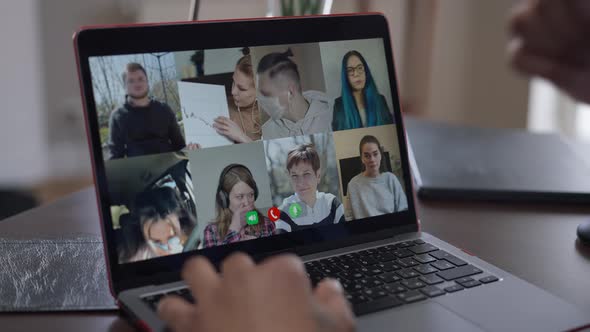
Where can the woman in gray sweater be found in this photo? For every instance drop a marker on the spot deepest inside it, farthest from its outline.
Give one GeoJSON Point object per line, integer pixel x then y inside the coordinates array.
{"type": "Point", "coordinates": [372, 192]}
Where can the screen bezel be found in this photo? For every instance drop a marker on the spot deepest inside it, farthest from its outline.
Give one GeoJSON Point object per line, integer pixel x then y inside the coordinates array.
{"type": "Point", "coordinates": [116, 40]}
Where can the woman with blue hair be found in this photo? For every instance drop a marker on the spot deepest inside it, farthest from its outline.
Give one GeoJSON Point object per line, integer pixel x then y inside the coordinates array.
{"type": "Point", "coordinates": [361, 104]}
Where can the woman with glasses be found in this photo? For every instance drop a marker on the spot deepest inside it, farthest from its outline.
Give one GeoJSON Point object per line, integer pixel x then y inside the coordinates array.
{"type": "Point", "coordinates": [361, 105]}
{"type": "Point", "coordinates": [163, 224]}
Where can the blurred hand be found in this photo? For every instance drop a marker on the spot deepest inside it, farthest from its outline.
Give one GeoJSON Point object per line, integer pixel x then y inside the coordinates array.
{"type": "Point", "coordinates": [551, 39]}
{"type": "Point", "coordinates": [193, 146]}
{"type": "Point", "coordinates": [226, 127]}
{"type": "Point", "coordinates": [238, 219]}
{"type": "Point", "coordinates": [273, 296]}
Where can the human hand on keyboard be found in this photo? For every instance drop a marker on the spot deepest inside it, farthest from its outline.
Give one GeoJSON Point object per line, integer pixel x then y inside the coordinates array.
{"type": "Point", "coordinates": [274, 295]}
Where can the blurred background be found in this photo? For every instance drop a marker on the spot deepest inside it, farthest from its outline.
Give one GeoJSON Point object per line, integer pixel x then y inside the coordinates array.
{"type": "Point", "coordinates": [449, 55]}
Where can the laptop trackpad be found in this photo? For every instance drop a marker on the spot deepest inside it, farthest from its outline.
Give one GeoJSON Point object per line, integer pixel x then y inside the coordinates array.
{"type": "Point", "coordinates": [425, 316]}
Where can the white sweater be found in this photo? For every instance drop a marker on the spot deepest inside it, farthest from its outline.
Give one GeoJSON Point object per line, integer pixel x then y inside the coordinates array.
{"type": "Point", "coordinates": [369, 197]}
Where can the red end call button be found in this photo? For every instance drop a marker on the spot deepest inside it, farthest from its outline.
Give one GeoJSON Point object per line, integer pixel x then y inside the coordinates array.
{"type": "Point", "coordinates": [274, 214]}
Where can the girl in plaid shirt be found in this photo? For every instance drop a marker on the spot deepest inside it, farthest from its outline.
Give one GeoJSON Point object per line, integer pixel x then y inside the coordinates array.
{"type": "Point", "coordinates": [235, 198]}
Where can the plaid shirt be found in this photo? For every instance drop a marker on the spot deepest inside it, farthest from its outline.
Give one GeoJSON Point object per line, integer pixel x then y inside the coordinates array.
{"type": "Point", "coordinates": [213, 238]}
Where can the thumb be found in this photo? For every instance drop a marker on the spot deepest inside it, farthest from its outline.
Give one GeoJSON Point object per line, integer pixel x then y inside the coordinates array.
{"type": "Point", "coordinates": [571, 77]}
{"type": "Point", "coordinates": [178, 314]}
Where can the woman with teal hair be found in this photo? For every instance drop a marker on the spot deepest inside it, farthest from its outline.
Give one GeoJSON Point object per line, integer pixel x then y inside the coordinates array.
{"type": "Point", "coordinates": [361, 104]}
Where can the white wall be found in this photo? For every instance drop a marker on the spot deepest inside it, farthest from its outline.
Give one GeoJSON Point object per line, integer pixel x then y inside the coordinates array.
{"type": "Point", "coordinates": [23, 133]}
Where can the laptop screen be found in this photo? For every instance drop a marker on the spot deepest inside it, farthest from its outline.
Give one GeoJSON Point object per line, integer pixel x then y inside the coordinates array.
{"type": "Point", "coordinates": [211, 147]}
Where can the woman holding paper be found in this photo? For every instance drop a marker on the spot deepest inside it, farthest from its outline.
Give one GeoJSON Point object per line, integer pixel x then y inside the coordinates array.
{"type": "Point", "coordinates": [243, 125]}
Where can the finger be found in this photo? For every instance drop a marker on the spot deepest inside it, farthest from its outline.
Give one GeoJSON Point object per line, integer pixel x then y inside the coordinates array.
{"type": "Point", "coordinates": [201, 276]}
{"type": "Point", "coordinates": [329, 292]}
{"type": "Point", "coordinates": [560, 17]}
{"type": "Point", "coordinates": [516, 15]}
{"type": "Point", "coordinates": [289, 267]}
{"type": "Point", "coordinates": [569, 32]}
{"type": "Point", "coordinates": [194, 146]}
{"type": "Point", "coordinates": [220, 126]}
{"type": "Point", "coordinates": [177, 313]}
{"type": "Point", "coordinates": [532, 63]}
{"type": "Point", "coordinates": [529, 23]}
{"type": "Point", "coordinates": [333, 311]}
{"type": "Point", "coordinates": [236, 265]}
{"type": "Point", "coordinates": [220, 129]}
{"type": "Point", "coordinates": [222, 120]}
{"type": "Point", "coordinates": [223, 133]}
{"type": "Point", "coordinates": [230, 122]}
{"type": "Point", "coordinates": [580, 10]}
{"type": "Point", "coordinates": [568, 77]}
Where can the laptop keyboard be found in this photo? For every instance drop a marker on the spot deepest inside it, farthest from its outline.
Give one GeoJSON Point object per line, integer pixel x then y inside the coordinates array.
{"type": "Point", "coordinates": [152, 300]}
{"type": "Point", "coordinates": [397, 274]}
{"type": "Point", "coordinates": [385, 277]}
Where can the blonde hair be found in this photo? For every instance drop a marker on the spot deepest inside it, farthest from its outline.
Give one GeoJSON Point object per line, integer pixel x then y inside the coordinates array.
{"type": "Point", "coordinates": [245, 63]}
{"type": "Point", "coordinates": [174, 223]}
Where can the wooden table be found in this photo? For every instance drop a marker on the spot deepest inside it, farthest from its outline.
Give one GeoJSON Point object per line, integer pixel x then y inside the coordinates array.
{"type": "Point", "coordinates": [534, 242]}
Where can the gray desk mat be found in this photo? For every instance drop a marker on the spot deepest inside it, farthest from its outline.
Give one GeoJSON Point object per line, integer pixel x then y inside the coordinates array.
{"type": "Point", "coordinates": [53, 274]}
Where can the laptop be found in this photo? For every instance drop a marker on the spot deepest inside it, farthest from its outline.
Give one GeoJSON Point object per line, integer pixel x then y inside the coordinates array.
{"type": "Point", "coordinates": [514, 166]}
{"type": "Point", "coordinates": [276, 135]}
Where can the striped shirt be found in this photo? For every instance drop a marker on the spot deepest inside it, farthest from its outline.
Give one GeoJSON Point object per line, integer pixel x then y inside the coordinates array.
{"type": "Point", "coordinates": [326, 210]}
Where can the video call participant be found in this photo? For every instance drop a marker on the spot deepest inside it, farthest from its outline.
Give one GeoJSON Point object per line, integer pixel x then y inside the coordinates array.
{"type": "Point", "coordinates": [163, 223]}
{"type": "Point", "coordinates": [372, 192]}
{"type": "Point", "coordinates": [234, 202]}
{"type": "Point", "coordinates": [307, 207]}
{"type": "Point", "coordinates": [292, 112]}
{"type": "Point", "coordinates": [243, 125]}
{"type": "Point", "coordinates": [361, 105]}
{"type": "Point", "coordinates": [142, 125]}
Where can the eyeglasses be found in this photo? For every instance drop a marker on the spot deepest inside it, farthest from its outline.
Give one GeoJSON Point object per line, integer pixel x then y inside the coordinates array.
{"type": "Point", "coordinates": [173, 241]}
{"type": "Point", "coordinates": [360, 69]}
